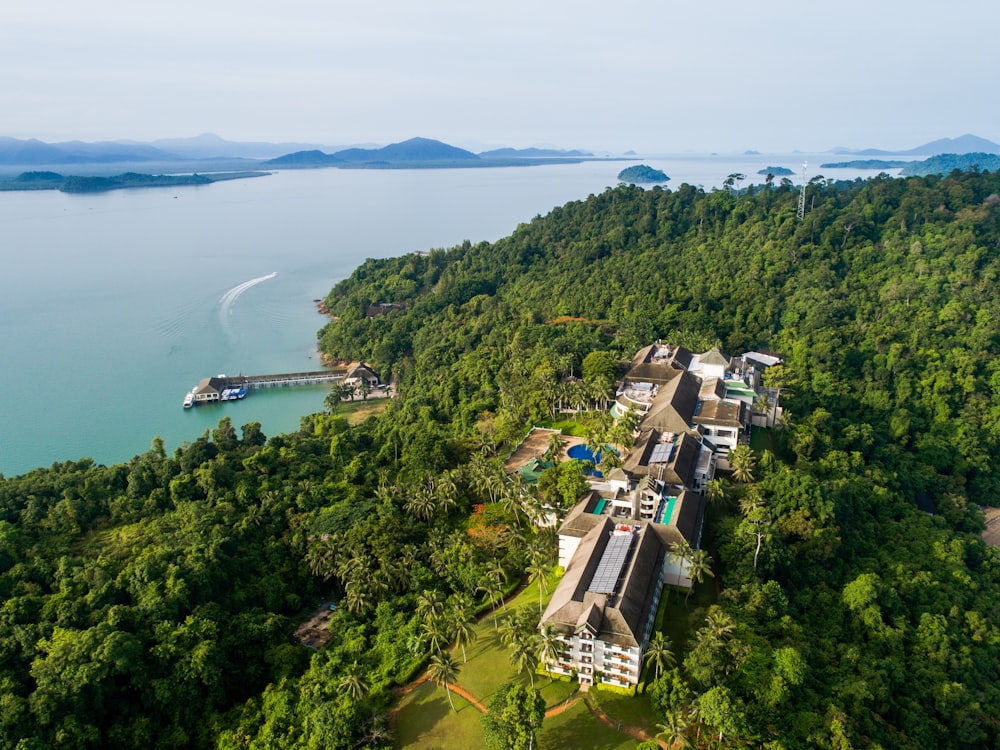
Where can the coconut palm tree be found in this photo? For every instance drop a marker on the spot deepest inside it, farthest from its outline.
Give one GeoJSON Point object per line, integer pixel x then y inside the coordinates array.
{"type": "Point", "coordinates": [443, 670]}
{"type": "Point", "coordinates": [434, 631]}
{"type": "Point", "coordinates": [460, 622]}
{"type": "Point", "coordinates": [523, 656]}
{"type": "Point", "coordinates": [538, 572]}
{"type": "Point", "coordinates": [680, 552]}
{"type": "Point", "coordinates": [742, 462]}
{"type": "Point", "coordinates": [720, 625]}
{"type": "Point", "coordinates": [420, 503]}
{"type": "Point", "coordinates": [752, 500]}
{"type": "Point", "coordinates": [553, 449]}
{"type": "Point", "coordinates": [353, 682]}
{"type": "Point", "coordinates": [430, 604]}
{"type": "Point", "coordinates": [674, 730]}
{"type": "Point", "coordinates": [550, 645]}
{"type": "Point", "coordinates": [659, 652]}
{"type": "Point", "coordinates": [715, 492]}
{"type": "Point", "coordinates": [699, 566]}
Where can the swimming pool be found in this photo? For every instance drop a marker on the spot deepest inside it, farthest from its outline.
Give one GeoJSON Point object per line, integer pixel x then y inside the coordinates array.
{"type": "Point", "coordinates": [582, 453]}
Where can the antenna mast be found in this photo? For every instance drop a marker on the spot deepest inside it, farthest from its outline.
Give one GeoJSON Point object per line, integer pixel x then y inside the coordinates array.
{"type": "Point", "coordinates": [802, 194]}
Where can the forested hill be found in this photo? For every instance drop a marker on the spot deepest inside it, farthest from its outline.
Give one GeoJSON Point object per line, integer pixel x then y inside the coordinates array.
{"type": "Point", "coordinates": [152, 604]}
{"type": "Point", "coordinates": [883, 301]}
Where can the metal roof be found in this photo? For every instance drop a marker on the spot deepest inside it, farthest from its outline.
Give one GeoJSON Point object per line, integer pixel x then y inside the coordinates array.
{"type": "Point", "coordinates": [609, 569]}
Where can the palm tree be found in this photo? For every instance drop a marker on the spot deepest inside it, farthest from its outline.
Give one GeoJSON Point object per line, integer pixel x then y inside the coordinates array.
{"type": "Point", "coordinates": [333, 399]}
{"type": "Point", "coordinates": [364, 388]}
{"type": "Point", "coordinates": [680, 552]}
{"type": "Point", "coordinates": [674, 730]}
{"type": "Point", "coordinates": [550, 645]}
{"type": "Point", "coordinates": [443, 670]}
{"type": "Point", "coordinates": [430, 604]}
{"type": "Point", "coordinates": [538, 573]}
{"type": "Point", "coordinates": [420, 504]}
{"type": "Point", "coordinates": [553, 449]}
{"type": "Point", "coordinates": [594, 442]}
{"type": "Point", "coordinates": [499, 576]}
{"type": "Point", "coordinates": [763, 404]}
{"type": "Point", "coordinates": [523, 656]}
{"type": "Point", "coordinates": [742, 462]}
{"type": "Point", "coordinates": [321, 556]}
{"type": "Point", "coordinates": [353, 682]}
{"type": "Point", "coordinates": [752, 500]}
{"type": "Point", "coordinates": [460, 622]}
{"type": "Point", "coordinates": [659, 652]}
{"type": "Point", "coordinates": [434, 631]}
{"type": "Point", "coordinates": [719, 624]}
{"type": "Point", "coordinates": [715, 493]}
{"type": "Point", "coordinates": [358, 598]}
{"type": "Point", "coordinates": [699, 566]}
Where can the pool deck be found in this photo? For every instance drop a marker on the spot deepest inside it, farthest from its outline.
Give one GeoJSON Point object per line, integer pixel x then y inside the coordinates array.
{"type": "Point", "coordinates": [534, 445]}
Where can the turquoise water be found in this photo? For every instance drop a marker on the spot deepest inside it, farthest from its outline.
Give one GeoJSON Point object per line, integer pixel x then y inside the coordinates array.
{"type": "Point", "coordinates": [113, 306]}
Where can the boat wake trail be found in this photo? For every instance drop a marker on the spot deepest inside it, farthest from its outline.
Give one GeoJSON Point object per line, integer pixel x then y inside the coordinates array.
{"type": "Point", "coordinates": [229, 298]}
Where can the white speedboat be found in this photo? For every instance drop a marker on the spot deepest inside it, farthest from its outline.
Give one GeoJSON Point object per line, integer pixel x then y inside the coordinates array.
{"type": "Point", "coordinates": [189, 401]}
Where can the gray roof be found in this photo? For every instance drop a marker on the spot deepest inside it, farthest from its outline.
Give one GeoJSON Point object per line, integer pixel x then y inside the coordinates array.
{"type": "Point", "coordinates": [581, 519]}
{"type": "Point", "coordinates": [673, 407]}
{"type": "Point", "coordinates": [643, 370]}
{"type": "Point", "coordinates": [714, 357]}
{"type": "Point", "coordinates": [210, 385]}
{"type": "Point", "coordinates": [722, 413]}
{"type": "Point", "coordinates": [619, 618]}
{"type": "Point", "coordinates": [679, 469]}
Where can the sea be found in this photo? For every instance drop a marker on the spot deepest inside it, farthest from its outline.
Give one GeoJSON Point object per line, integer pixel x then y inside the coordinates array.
{"type": "Point", "coordinates": [114, 305]}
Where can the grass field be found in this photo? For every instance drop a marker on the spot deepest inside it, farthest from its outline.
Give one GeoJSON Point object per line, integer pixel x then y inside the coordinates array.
{"type": "Point", "coordinates": [358, 411]}
{"type": "Point", "coordinates": [425, 721]}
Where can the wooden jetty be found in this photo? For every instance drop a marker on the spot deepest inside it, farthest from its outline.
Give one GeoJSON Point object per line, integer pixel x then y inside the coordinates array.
{"type": "Point", "coordinates": [226, 388]}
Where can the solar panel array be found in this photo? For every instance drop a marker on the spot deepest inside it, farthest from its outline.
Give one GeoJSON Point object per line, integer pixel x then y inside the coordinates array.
{"type": "Point", "coordinates": [605, 580]}
{"type": "Point", "coordinates": [661, 453]}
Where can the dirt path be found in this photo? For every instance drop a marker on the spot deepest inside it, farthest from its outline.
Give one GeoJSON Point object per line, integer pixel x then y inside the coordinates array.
{"type": "Point", "coordinates": [565, 705]}
{"type": "Point", "coordinates": [636, 733]}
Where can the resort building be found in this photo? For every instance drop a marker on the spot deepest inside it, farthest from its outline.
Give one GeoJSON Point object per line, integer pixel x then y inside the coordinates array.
{"type": "Point", "coordinates": [616, 548]}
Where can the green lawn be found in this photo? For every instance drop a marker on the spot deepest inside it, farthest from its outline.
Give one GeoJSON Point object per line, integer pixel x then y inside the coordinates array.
{"type": "Point", "coordinates": [576, 728]}
{"type": "Point", "coordinates": [359, 410]}
{"type": "Point", "coordinates": [425, 720]}
{"type": "Point", "coordinates": [430, 723]}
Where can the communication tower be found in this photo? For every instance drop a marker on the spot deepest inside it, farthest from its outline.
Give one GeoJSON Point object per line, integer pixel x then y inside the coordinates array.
{"type": "Point", "coordinates": [802, 194]}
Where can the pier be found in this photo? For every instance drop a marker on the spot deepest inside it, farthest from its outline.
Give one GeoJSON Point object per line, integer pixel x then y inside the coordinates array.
{"type": "Point", "coordinates": [226, 388]}
{"type": "Point", "coordinates": [285, 379]}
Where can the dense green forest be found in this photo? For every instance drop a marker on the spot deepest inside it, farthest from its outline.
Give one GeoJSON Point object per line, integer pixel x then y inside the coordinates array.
{"type": "Point", "coordinates": [152, 604]}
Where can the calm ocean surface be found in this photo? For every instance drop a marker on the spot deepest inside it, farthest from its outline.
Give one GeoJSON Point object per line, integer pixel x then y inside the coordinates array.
{"type": "Point", "coordinates": [113, 306]}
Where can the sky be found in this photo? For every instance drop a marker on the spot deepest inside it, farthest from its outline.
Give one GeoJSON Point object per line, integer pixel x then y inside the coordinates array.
{"type": "Point", "coordinates": [652, 76]}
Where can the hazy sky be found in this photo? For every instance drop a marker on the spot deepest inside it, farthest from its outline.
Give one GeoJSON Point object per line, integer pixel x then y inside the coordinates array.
{"type": "Point", "coordinates": [656, 76]}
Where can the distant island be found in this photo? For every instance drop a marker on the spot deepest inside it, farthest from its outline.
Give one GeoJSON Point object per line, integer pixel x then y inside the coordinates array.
{"type": "Point", "coordinates": [940, 164]}
{"type": "Point", "coordinates": [964, 144]}
{"type": "Point", "coordinates": [776, 171]}
{"type": "Point", "coordinates": [43, 180]}
{"type": "Point", "coordinates": [865, 164]}
{"type": "Point", "coordinates": [642, 173]}
{"type": "Point", "coordinates": [423, 153]}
